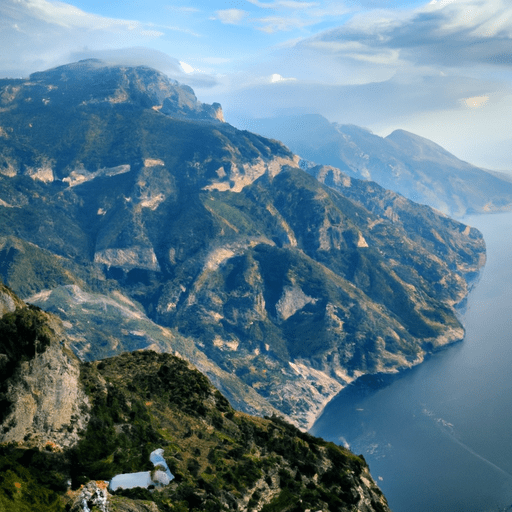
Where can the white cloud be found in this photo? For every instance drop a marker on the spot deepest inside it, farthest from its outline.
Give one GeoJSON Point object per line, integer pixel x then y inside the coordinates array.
{"type": "Point", "coordinates": [438, 35]}
{"type": "Point", "coordinates": [143, 56]}
{"type": "Point", "coordinates": [475, 101]}
{"type": "Point", "coordinates": [284, 15]}
{"type": "Point", "coordinates": [442, 3]}
{"type": "Point", "coordinates": [151, 33]}
{"type": "Point", "coordinates": [358, 51]}
{"type": "Point", "coordinates": [38, 34]}
{"type": "Point", "coordinates": [297, 15]}
{"type": "Point", "coordinates": [486, 17]}
{"type": "Point", "coordinates": [278, 78]}
{"type": "Point", "coordinates": [442, 71]}
{"type": "Point", "coordinates": [283, 4]}
{"type": "Point", "coordinates": [187, 68]}
{"type": "Point", "coordinates": [64, 15]}
{"type": "Point", "coordinates": [231, 16]}
{"type": "Point", "coordinates": [184, 9]}
{"type": "Point", "coordinates": [271, 24]}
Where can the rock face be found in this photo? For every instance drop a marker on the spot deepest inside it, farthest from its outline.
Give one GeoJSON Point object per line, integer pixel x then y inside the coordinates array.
{"type": "Point", "coordinates": [8, 301]}
{"type": "Point", "coordinates": [47, 406]}
{"type": "Point", "coordinates": [280, 284]}
{"type": "Point", "coordinates": [403, 162]}
{"type": "Point", "coordinates": [43, 404]}
{"type": "Point", "coordinates": [94, 495]}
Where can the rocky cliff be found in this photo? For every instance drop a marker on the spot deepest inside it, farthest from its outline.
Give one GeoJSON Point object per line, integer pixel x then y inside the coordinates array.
{"type": "Point", "coordinates": [42, 403]}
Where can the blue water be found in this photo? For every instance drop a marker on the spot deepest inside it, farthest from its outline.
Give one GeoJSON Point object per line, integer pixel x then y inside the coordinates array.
{"type": "Point", "coordinates": [438, 438]}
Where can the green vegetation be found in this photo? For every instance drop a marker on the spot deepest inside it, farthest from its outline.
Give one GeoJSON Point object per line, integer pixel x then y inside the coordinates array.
{"type": "Point", "coordinates": [142, 401]}
{"type": "Point", "coordinates": [222, 459]}
{"type": "Point", "coordinates": [23, 333]}
{"type": "Point", "coordinates": [29, 269]}
{"type": "Point", "coordinates": [30, 480]}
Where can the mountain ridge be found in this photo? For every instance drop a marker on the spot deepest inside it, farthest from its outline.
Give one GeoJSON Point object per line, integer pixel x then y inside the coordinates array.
{"type": "Point", "coordinates": [409, 164]}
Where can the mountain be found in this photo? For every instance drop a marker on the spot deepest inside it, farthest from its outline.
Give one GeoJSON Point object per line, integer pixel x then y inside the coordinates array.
{"type": "Point", "coordinates": [411, 165]}
{"type": "Point", "coordinates": [144, 221]}
{"type": "Point", "coordinates": [67, 428]}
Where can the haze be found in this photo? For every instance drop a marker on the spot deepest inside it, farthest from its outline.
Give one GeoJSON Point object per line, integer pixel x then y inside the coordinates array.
{"type": "Point", "coordinates": [440, 69]}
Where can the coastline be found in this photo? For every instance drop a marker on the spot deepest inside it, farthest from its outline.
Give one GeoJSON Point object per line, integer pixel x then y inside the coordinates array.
{"type": "Point", "coordinates": [387, 377]}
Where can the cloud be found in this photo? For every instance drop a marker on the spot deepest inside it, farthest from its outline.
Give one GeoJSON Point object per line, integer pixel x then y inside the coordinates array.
{"type": "Point", "coordinates": [152, 33]}
{"type": "Point", "coordinates": [369, 104]}
{"type": "Point", "coordinates": [442, 33]}
{"type": "Point", "coordinates": [283, 4]}
{"type": "Point", "coordinates": [283, 15]}
{"type": "Point", "coordinates": [230, 16]}
{"type": "Point", "coordinates": [442, 70]}
{"type": "Point", "coordinates": [291, 15]}
{"type": "Point", "coordinates": [276, 77]}
{"type": "Point", "coordinates": [271, 24]}
{"type": "Point", "coordinates": [38, 34]}
{"type": "Point", "coordinates": [475, 101]}
{"type": "Point", "coordinates": [187, 68]}
{"type": "Point", "coordinates": [62, 14]}
{"type": "Point", "coordinates": [142, 56]}
{"type": "Point", "coordinates": [183, 9]}
{"type": "Point", "coordinates": [135, 56]}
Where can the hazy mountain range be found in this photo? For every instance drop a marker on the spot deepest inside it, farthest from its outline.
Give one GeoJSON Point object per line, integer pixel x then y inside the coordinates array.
{"type": "Point", "coordinates": [409, 164]}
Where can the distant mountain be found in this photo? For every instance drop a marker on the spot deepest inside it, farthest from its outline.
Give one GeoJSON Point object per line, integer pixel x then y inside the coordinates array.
{"type": "Point", "coordinates": [129, 209]}
{"type": "Point", "coordinates": [409, 164]}
{"type": "Point", "coordinates": [67, 428]}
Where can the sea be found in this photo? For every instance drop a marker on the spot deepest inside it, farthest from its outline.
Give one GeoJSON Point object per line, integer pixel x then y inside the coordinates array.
{"type": "Point", "coordinates": [438, 437]}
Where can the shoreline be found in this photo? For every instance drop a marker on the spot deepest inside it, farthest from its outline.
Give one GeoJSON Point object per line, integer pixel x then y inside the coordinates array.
{"type": "Point", "coordinates": [397, 373]}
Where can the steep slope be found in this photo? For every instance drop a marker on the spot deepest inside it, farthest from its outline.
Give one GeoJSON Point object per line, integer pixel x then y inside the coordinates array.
{"type": "Point", "coordinates": [41, 402]}
{"type": "Point", "coordinates": [126, 407]}
{"type": "Point", "coordinates": [253, 270]}
{"type": "Point", "coordinates": [403, 162]}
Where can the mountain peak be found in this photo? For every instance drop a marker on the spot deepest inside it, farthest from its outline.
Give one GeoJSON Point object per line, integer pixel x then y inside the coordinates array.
{"type": "Point", "coordinates": [419, 147]}
{"type": "Point", "coordinates": [96, 82]}
{"type": "Point", "coordinates": [82, 66]}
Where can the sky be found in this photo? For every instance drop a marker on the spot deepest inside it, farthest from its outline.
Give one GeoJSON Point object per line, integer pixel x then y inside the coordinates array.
{"type": "Point", "coordinates": [441, 69]}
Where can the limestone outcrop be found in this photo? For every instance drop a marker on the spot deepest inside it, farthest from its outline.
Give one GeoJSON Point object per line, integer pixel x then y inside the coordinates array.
{"type": "Point", "coordinates": [43, 403]}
